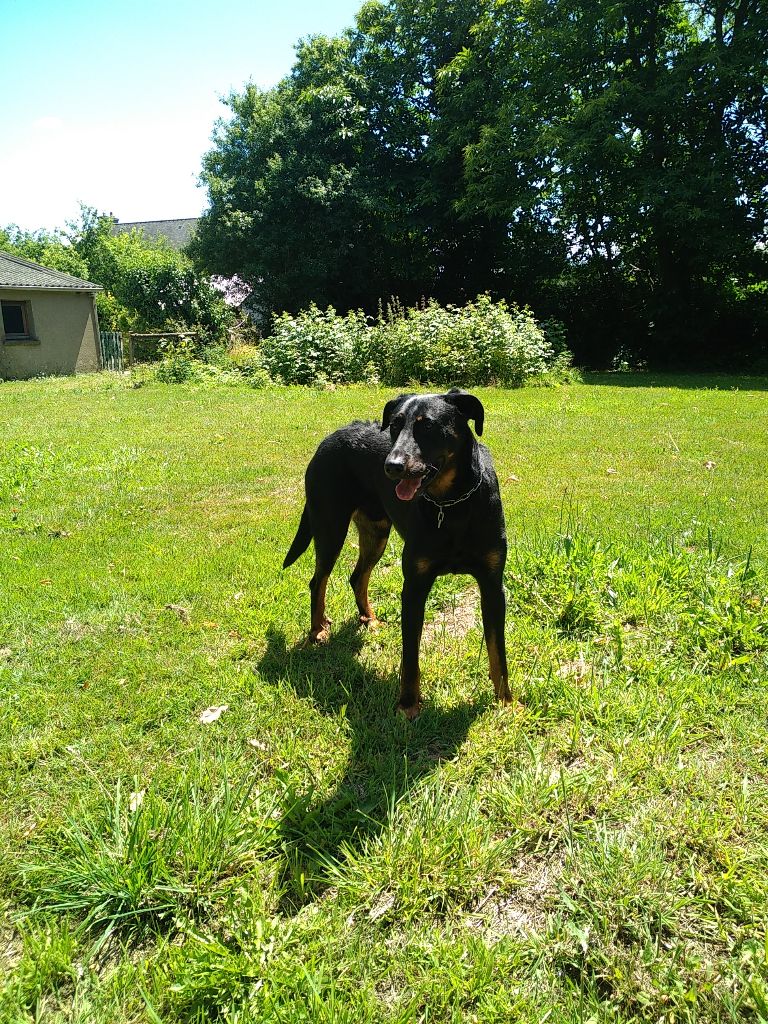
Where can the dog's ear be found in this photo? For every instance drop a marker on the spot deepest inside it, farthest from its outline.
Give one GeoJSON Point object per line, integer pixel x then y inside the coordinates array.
{"type": "Point", "coordinates": [389, 408]}
{"type": "Point", "coordinates": [468, 406]}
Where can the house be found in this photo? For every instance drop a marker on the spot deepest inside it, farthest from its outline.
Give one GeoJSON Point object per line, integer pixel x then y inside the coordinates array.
{"type": "Point", "coordinates": [49, 322]}
{"type": "Point", "coordinates": [178, 233]}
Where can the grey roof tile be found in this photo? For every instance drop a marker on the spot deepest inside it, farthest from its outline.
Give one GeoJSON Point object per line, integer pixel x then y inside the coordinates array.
{"type": "Point", "coordinates": [178, 232]}
{"type": "Point", "coordinates": [21, 274]}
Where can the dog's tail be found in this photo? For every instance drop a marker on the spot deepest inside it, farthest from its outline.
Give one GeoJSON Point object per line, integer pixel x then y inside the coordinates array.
{"type": "Point", "coordinates": [301, 541]}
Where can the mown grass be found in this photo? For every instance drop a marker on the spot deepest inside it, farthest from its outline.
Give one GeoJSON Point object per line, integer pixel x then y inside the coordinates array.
{"type": "Point", "coordinates": [598, 853]}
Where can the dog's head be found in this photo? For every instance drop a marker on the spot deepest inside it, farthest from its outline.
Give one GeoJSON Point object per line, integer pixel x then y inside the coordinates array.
{"type": "Point", "coordinates": [428, 434]}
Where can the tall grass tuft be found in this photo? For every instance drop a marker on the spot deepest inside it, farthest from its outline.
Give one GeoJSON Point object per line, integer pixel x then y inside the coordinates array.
{"type": "Point", "coordinates": [140, 862]}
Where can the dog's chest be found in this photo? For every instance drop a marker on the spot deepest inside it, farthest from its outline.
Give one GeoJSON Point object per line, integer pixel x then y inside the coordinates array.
{"type": "Point", "coordinates": [448, 540]}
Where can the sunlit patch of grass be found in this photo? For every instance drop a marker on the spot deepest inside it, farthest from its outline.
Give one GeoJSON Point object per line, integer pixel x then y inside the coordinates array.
{"type": "Point", "coordinates": [598, 851]}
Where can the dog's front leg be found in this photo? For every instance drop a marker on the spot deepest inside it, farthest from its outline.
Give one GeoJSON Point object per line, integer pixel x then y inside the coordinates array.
{"type": "Point", "coordinates": [493, 605]}
{"type": "Point", "coordinates": [417, 583]}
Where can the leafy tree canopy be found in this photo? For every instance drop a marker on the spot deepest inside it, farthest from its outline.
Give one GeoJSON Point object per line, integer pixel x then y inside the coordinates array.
{"type": "Point", "coordinates": [604, 161]}
{"type": "Point", "coordinates": [51, 249]}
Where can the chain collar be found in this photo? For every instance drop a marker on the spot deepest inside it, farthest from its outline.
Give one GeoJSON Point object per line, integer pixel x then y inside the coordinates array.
{"type": "Point", "coordinates": [441, 506]}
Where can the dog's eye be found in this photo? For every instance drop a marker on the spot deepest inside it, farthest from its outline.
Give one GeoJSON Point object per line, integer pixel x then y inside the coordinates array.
{"type": "Point", "coordinates": [396, 425]}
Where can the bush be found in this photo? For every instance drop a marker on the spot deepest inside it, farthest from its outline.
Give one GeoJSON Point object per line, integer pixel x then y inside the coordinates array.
{"type": "Point", "coordinates": [177, 364]}
{"type": "Point", "coordinates": [249, 361]}
{"type": "Point", "coordinates": [484, 342]}
{"type": "Point", "coordinates": [113, 316]}
{"type": "Point", "coordinates": [317, 346]}
{"type": "Point", "coordinates": [180, 364]}
{"type": "Point", "coordinates": [156, 286]}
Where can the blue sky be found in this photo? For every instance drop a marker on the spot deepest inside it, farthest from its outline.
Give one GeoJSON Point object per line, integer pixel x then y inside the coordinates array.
{"type": "Point", "coordinates": [113, 103]}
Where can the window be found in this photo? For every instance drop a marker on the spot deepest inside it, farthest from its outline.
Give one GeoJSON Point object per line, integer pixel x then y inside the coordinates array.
{"type": "Point", "coordinates": [16, 320]}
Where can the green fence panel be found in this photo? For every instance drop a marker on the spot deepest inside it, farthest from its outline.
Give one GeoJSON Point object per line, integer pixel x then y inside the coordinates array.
{"type": "Point", "coordinates": [111, 350]}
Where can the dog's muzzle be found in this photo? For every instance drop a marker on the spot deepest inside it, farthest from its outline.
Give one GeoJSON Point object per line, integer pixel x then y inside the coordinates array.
{"type": "Point", "coordinates": [409, 474]}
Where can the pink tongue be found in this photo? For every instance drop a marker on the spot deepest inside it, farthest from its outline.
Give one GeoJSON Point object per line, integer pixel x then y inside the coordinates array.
{"type": "Point", "coordinates": [406, 489]}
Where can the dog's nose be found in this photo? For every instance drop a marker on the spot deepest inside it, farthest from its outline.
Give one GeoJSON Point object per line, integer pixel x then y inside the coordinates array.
{"type": "Point", "coordinates": [394, 467]}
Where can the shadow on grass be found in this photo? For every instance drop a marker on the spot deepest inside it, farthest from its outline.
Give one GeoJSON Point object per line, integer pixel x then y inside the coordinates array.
{"type": "Point", "coordinates": [388, 755]}
{"type": "Point", "coordinates": [691, 381]}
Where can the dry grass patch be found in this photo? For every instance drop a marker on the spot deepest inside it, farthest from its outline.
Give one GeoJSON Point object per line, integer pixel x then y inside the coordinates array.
{"type": "Point", "coordinates": [454, 620]}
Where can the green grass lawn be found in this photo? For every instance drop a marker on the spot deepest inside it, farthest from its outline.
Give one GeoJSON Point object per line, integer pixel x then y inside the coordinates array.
{"type": "Point", "coordinates": [597, 853]}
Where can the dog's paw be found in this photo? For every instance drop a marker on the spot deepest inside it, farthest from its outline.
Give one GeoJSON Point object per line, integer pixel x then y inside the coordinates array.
{"type": "Point", "coordinates": [511, 704]}
{"type": "Point", "coordinates": [371, 622]}
{"type": "Point", "coordinates": [318, 636]}
{"type": "Point", "coordinates": [409, 713]}
{"type": "Point", "coordinates": [502, 691]}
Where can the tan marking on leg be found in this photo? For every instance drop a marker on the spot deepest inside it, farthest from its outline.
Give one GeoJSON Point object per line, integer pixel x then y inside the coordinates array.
{"type": "Point", "coordinates": [318, 630]}
{"type": "Point", "coordinates": [500, 683]}
{"type": "Point", "coordinates": [372, 534]}
{"type": "Point", "coordinates": [362, 521]}
{"type": "Point", "coordinates": [493, 559]}
{"type": "Point", "coordinates": [410, 688]}
{"type": "Point", "coordinates": [410, 685]}
{"type": "Point", "coordinates": [409, 713]}
{"type": "Point", "coordinates": [367, 615]}
{"type": "Point", "coordinates": [423, 565]}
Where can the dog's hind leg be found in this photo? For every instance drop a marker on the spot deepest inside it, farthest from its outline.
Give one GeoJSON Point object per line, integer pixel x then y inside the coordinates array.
{"type": "Point", "coordinates": [327, 548]}
{"type": "Point", "coordinates": [373, 535]}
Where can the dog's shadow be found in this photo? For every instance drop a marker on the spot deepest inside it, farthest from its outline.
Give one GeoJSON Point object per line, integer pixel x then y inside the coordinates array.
{"type": "Point", "coordinates": [388, 755]}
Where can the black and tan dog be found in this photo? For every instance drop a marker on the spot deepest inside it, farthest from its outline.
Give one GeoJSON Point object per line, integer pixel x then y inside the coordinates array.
{"type": "Point", "coordinates": [424, 471]}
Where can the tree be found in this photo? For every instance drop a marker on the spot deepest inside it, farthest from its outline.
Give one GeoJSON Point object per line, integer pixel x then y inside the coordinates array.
{"type": "Point", "coordinates": [148, 285]}
{"type": "Point", "coordinates": [51, 249]}
{"type": "Point", "coordinates": [340, 185]}
{"type": "Point", "coordinates": [293, 208]}
{"type": "Point", "coordinates": [604, 161]}
{"type": "Point", "coordinates": [642, 128]}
